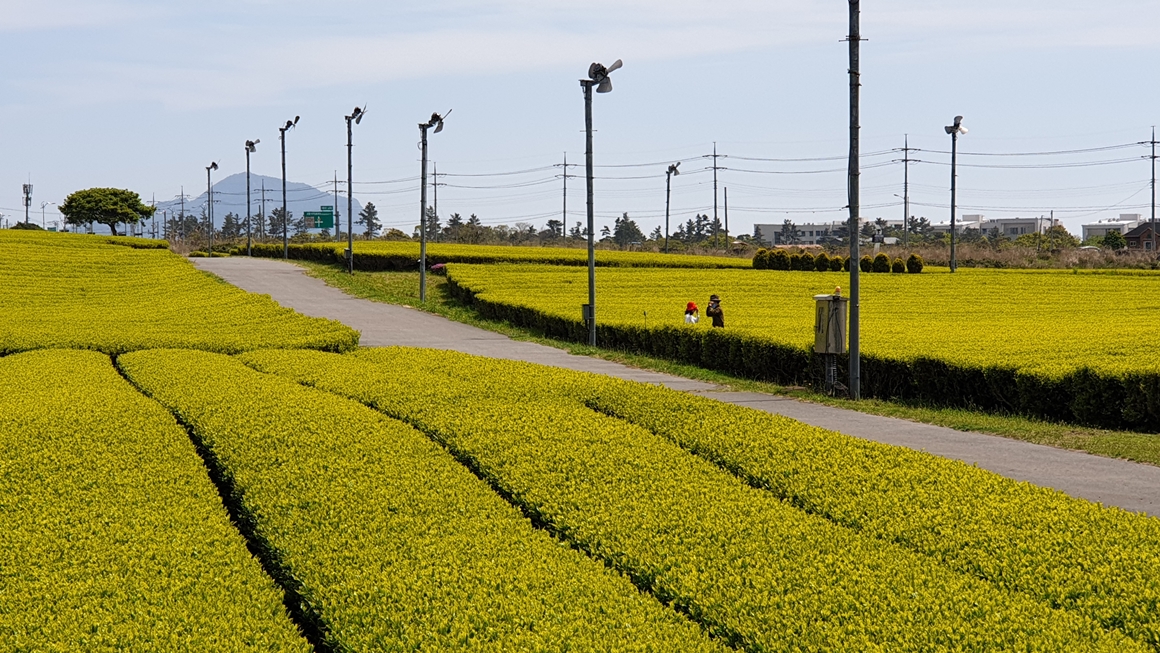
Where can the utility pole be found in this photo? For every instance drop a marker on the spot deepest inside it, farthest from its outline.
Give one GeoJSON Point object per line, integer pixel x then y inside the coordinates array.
{"type": "Point", "coordinates": [337, 224]}
{"type": "Point", "coordinates": [906, 190]}
{"type": "Point", "coordinates": [263, 216]}
{"type": "Point", "coordinates": [435, 188]}
{"type": "Point", "coordinates": [726, 216]}
{"type": "Point", "coordinates": [564, 210]}
{"type": "Point", "coordinates": [183, 213]}
{"type": "Point", "coordinates": [290, 124]}
{"type": "Point", "coordinates": [673, 170]}
{"type": "Point", "coordinates": [855, 39]}
{"type": "Point", "coordinates": [715, 222]}
{"type": "Point", "coordinates": [1153, 157]}
{"type": "Point", "coordinates": [251, 146]}
{"type": "Point", "coordinates": [354, 118]}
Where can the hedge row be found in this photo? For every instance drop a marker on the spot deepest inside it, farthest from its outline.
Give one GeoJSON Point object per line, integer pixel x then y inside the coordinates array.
{"type": "Point", "coordinates": [756, 572]}
{"type": "Point", "coordinates": [385, 541]}
{"type": "Point", "coordinates": [377, 256]}
{"type": "Point", "coordinates": [112, 536]}
{"type": "Point", "coordinates": [1129, 400]}
{"type": "Point", "coordinates": [1066, 552]}
{"type": "Point", "coordinates": [780, 259]}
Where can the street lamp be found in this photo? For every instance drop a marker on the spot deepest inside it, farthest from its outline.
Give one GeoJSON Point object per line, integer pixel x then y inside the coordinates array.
{"type": "Point", "coordinates": [436, 121]}
{"type": "Point", "coordinates": [282, 137]}
{"type": "Point", "coordinates": [668, 185]}
{"type": "Point", "coordinates": [598, 75]}
{"type": "Point", "coordinates": [954, 130]}
{"type": "Point", "coordinates": [356, 116]}
{"type": "Point", "coordinates": [251, 146]}
{"type": "Point", "coordinates": [209, 201]}
{"type": "Point", "coordinates": [44, 225]}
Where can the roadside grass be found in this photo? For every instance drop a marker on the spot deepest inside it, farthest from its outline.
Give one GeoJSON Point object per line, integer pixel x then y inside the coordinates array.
{"type": "Point", "coordinates": [403, 288]}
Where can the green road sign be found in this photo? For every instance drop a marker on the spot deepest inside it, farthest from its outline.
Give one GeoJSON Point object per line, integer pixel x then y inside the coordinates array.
{"type": "Point", "coordinates": [318, 219]}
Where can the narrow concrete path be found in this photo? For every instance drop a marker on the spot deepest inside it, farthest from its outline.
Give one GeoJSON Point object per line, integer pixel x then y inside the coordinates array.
{"type": "Point", "coordinates": [1132, 486]}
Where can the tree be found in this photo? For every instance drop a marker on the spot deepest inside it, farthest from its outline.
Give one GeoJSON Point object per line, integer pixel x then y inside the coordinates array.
{"type": "Point", "coordinates": [578, 232]}
{"type": "Point", "coordinates": [556, 227]}
{"type": "Point", "coordinates": [789, 233]}
{"type": "Point", "coordinates": [625, 231]}
{"type": "Point", "coordinates": [276, 221]}
{"type": "Point", "coordinates": [1115, 241]}
{"type": "Point", "coordinates": [656, 235]}
{"type": "Point", "coordinates": [231, 226]}
{"type": "Point", "coordinates": [605, 233]}
{"type": "Point", "coordinates": [454, 227]}
{"type": "Point", "coordinates": [432, 221]}
{"type": "Point", "coordinates": [107, 206]}
{"type": "Point", "coordinates": [369, 218]}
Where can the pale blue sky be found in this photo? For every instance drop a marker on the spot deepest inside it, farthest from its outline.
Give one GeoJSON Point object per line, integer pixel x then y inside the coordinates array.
{"type": "Point", "coordinates": [144, 95]}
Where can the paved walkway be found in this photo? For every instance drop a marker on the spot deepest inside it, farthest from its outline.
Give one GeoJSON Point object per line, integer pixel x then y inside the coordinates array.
{"type": "Point", "coordinates": [1129, 485]}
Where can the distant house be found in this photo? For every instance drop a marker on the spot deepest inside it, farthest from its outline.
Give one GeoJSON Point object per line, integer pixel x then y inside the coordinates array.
{"type": "Point", "coordinates": [1123, 224]}
{"type": "Point", "coordinates": [1142, 238]}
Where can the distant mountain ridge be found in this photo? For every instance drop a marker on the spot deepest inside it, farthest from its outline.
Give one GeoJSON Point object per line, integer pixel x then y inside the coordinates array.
{"type": "Point", "coordinates": [229, 196]}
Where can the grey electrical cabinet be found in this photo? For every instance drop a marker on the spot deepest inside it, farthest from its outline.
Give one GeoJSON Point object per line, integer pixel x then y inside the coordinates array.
{"type": "Point", "coordinates": [830, 324]}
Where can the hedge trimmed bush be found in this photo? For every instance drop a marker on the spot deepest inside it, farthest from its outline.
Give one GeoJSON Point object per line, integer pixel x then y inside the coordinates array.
{"type": "Point", "coordinates": [866, 264]}
{"type": "Point", "coordinates": [806, 263]}
{"type": "Point", "coordinates": [898, 267]}
{"type": "Point", "coordinates": [836, 264]}
{"type": "Point", "coordinates": [822, 262]}
{"type": "Point", "coordinates": [881, 263]}
{"type": "Point", "coordinates": [914, 264]}
{"type": "Point", "coordinates": [779, 260]}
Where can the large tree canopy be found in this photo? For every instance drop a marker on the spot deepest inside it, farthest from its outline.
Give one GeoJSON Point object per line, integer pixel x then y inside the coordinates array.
{"type": "Point", "coordinates": [107, 206]}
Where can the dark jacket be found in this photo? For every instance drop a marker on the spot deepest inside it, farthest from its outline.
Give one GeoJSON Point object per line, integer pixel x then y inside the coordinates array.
{"type": "Point", "coordinates": [714, 311]}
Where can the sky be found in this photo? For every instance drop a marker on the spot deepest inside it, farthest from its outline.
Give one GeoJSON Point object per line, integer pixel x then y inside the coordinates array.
{"type": "Point", "coordinates": [145, 95]}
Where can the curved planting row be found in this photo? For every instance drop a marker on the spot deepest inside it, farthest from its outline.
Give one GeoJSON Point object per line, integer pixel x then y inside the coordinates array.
{"type": "Point", "coordinates": [753, 570]}
{"type": "Point", "coordinates": [112, 536]}
{"type": "Point", "coordinates": [383, 539]}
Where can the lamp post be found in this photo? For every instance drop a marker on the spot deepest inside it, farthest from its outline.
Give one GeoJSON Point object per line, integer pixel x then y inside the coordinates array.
{"type": "Point", "coordinates": [954, 130]}
{"type": "Point", "coordinates": [44, 225]}
{"type": "Point", "coordinates": [290, 124]}
{"type": "Point", "coordinates": [209, 201]}
{"type": "Point", "coordinates": [668, 187]}
{"type": "Point", "coordinates": [598, 75]}
{"type": "Point", "coordinates": [436, 121]}
{"type": "Point", "coordinates": [356, 116]}
{"type": "Point", "coordinates": [251, 147]}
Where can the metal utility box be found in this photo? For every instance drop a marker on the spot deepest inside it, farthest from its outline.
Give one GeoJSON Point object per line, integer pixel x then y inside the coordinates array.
{"type": "Point", "coordinates": [830, 324]}
{"type": "Point", "coordinates": [586, 313]}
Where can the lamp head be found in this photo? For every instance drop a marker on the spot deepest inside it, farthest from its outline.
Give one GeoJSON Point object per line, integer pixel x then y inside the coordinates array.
{"type": "Point", "coordinates": [212, 166]}
{"type": "Point", "coordinates": [252, 146]}
{"type": "Point", "coordinates": [358, 114]}
{"type": "Point", "coordinates": [599, 75]}
{"type": "Point", "coordinates": [958, 127]}
{"type": "Point", "coordinates": [673, 168]}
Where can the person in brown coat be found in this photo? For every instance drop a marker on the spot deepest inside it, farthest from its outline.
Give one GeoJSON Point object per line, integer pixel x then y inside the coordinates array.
{"type": "Point", "coordinates": [714, 312]}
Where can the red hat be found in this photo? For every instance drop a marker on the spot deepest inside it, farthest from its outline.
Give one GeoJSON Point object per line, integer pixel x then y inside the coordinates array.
{"type": "Point", "coordinates": [691, 306]}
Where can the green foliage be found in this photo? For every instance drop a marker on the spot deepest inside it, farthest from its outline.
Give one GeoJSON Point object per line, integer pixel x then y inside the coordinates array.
{"type": "Point", "coordinates": [27, 226]}
{"type": "Point", "coordinates": [388, 541]}
{"type": "Point", "coordinates": [1115, 241]}
{"type": "Point", "coordinates": [761, 259]}
{"type": "Point", "coordinates": [66, 290]}
{"type": "Point", "coordinates": [1103, 563]}
{"type": "Point", "coordinates": [881, 263]}
{"type": "Point", "coordinates": [755, 571]}
{"type": "Point", "coordinates": [898, 266]}
{"type": "Point", "coordinates": [806, 262]}
{"type": "Point", "coordinates": [865, 264]}
{"type": "Point", "coordinates": [846, 263]}
{"type": "Point", "coordinates": [837, 263]}
{"type": "Point", "coordinates": [914, 264]}
{"type": "Point", "coordinates": [107, 206]}
{"type": "Point", "coordinates": [780, 260]}
{"type": "Point", "coordinates": [113, 537]}
{"type": "Point", "coordinates": [822, 262]}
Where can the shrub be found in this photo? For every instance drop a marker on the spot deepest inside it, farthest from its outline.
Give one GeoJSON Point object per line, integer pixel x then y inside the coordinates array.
{"type": "Point", "coordinates": [845, 263]}
{"type": "Point", "coordinates": [761, 259]}
{"type": "Point", "coordinates": [866, 264]}
{"type": "Point", "coordinates": [881, 263]}
{"type": "Point", "coordinates": [779, 260]}
{"type": "Point", "coordinates": [795, 261]}
{"type": "Point", "coordinates": [837, 263]}
{"type": "Point", "coordinates": [822, 262]}
{"type": "Point", "coordinates": [898, 267]}
{"type": "Point", "coordinates": [806, 262]}
{"type": "Point", "coordinates": [914, 264]}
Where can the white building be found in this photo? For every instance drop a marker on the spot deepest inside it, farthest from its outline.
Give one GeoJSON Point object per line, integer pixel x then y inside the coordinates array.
{"type": "Point", "coordinates": [809, 233]}
{"type": "Point", "coordinates": [1010, 227]}
{"type": "Point", "coordinates": [1123, 224]}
